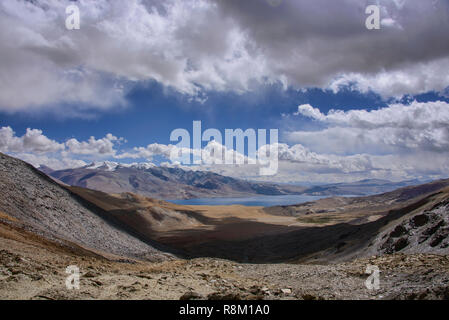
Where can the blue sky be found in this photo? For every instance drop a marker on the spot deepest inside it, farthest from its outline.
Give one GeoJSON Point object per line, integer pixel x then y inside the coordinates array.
{"type": "Point", "coordinates": [152, 113]}
{"type": "Point", "coordinates": [349, 103]}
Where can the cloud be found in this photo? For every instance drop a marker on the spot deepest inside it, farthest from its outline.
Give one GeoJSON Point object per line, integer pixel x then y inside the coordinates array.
{"type": "Point", "coordinates": [43, 65]}
{"type": "Point", "coordinates": [396, 128]}
{"type": "Point", "coordinates": [212, 153]}
{"type": "Point", "coordinates": [414, 79]}
{"type": "Point", "coordinates": [186, 45]}
{"type": "Point", "coordinates": [332, 154]}
{"type": "Point", "coordinates": [314, 44]}
{"type": "Point", "coordinates": [195, 46]}
{"type": "Point", "coordinates": [50, 161]}
{"type": "Point", "coordinates": [102, 147]}
{"type": "Point", "coordinates": [308, 111]}
{"type": "Point", "coordinates": [36, 148]}
{"type": "Point", "coordinates": [32, 141]}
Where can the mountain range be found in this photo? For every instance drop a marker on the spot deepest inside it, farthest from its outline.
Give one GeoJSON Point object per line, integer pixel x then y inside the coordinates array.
{"type": "Point", "coordinates": [177, 183]}
{"type": "Point", "coordinates": [164, 182]}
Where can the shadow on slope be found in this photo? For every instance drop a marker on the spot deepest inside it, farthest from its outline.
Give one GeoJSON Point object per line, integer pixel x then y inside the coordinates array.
{"type": "Point", "coordinates": [246, 240]}
{"type": "Point", "coordinates": [314, 244]}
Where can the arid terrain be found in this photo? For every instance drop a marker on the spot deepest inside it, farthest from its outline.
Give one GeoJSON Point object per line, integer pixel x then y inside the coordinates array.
{"type": "Point", "coordinates": [129, 246]}
{"type": "Point", "coordinates": [34, 268]}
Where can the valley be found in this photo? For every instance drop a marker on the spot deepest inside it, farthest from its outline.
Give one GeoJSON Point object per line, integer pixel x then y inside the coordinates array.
{"type": "Point", "coordinates": [131, 246]}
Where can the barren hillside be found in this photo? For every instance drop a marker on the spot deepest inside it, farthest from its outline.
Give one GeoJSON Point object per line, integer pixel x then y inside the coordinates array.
{"type": "Point", "coordinates": [48, 209]}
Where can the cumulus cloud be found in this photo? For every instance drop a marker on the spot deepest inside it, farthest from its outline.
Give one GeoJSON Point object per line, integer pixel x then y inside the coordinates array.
{"type": "Point", "coordinates": [396, 128]}
{"type": "Point", "coordinates": [102, 147]}
{"type": "Point", "coordinates": [197, 45]}
{"type": "Point", "coordinates": [308, 111]}
{"type": "Point", "coordinates": [37, 149]}
{"type": "Point", "coordinates": [213, 153]}
{"type": "Point", "coordinates": [186, 45]}
{"type": "Point", "coordinates": [32, 141]}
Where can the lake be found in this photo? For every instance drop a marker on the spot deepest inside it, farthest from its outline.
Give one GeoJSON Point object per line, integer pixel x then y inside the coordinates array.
{"type": "Point", "coordinates": [264, 201]}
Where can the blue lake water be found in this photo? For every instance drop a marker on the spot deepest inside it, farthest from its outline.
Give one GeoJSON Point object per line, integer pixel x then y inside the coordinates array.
{"type": "Point", "coordinates": [265, 201]}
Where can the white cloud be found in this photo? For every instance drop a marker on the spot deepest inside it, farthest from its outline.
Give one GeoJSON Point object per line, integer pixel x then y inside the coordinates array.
{"type": "Point", "coordinates": [396, 128]}
{"type": "Point", "coordinates": [36, 148]}
{"type": "Point", "coordinates": [32, 141]}
{"type": "Point", "coordinates": [212, 153]}
{"type": "Point", "coordinates": [324, 43]}
{"type": "Point", "coordinates": [186, 45]}
{"type": "Point", "coordinates": [102, 147]}
{"type": "Point", "coordinates": [49, 161]}
{"type": "Point", "coordinates": [412, 79]}
{"type": "Point", "coordinates": [196, 45]}
{"type": "Point", "coordinates": [308, 111]}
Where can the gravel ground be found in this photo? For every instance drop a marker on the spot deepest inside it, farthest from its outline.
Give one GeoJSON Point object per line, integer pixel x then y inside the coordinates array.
{"type": "Point", "coordinates": [34, 268]}
{"type": "Point", "coordinates": [417, 276]}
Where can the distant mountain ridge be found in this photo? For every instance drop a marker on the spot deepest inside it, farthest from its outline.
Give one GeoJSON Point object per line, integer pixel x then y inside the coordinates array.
{"type": "Point", "coordinates": [164, 182]}
{"type": "Point", "coordinates": [361, 188]}
{"type": "Point", "coordinates": [175, 183]}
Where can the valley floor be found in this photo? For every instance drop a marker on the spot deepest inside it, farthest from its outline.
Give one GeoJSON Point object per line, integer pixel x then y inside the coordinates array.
{"type": "Point", "coordinates": [34, 268]}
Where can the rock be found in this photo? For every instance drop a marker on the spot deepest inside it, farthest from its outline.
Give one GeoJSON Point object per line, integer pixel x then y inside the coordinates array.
{"type": "Point", "coordinates": [398, 231]}
{"type": "Point", "coordinates": [308, 297]}
{"type": "Point", "coordinates": [191, 295]}
{"type": "Point", "coordinates": [419, 220]}
{"type": "Point", "coordinates": [438, 239]}
{"type": "Point", "coordinates": [90, 274]}
{"type": "Point", "coordinates": [400, 244]}
{"type": "Point", "coordinates": [434, 228]}
{"type": "Point", "coordinates": [286, 291]}
{"type": "Point", "coordinates": [14, 271]}
{"type": "Point", "coordinates": [36, 277]}
{"type": "Point", "coordinates": [224, 296]}
{"type": "Point", "coordinates": [97, 283]}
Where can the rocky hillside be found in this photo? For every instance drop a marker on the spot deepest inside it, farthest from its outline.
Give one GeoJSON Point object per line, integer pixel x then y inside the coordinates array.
{"type": "Point", "coordinates": [33, 200]}
{"type": "Point", "coordinates": [164, 182]}
{"type": "Point", "coordinates": [421, 231]}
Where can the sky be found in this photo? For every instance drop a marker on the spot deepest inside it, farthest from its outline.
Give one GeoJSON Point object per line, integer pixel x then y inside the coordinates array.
{"type": "Point", "coordinates": [349, 103]}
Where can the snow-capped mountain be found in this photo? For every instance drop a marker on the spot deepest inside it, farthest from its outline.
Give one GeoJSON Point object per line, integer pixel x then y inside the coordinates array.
{"type": "Point", "coordinates": [112, 166]}
{"type": "Point", "coordinates": [164, 182]}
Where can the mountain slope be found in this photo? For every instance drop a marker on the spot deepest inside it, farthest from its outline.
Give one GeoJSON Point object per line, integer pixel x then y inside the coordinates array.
{"type": "Point", "coordinates": [50, 210]}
